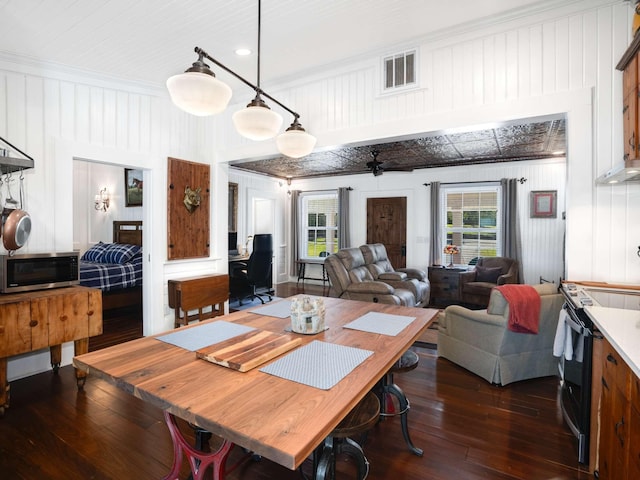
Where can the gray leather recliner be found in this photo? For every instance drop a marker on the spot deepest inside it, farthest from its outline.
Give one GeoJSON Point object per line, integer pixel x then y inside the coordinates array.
{"type": "Point", "coordinates": [351, 279]}
{"type": "Point", "coordinates": [413, 279]}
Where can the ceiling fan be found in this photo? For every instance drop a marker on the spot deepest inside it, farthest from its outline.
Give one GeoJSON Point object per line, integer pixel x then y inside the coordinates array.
{"type": "Point", "coordinates": [375, 166]}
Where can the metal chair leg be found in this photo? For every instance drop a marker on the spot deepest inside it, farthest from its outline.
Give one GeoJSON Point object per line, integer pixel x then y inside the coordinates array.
{"type": "Point", "coordinates": [403, 401]}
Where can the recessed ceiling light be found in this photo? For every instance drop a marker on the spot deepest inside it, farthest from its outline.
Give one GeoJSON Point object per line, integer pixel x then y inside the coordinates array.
{"type": "Point", "coordinates": [243, 52]}
{"type": "Point", "coordinates": [559, 152]}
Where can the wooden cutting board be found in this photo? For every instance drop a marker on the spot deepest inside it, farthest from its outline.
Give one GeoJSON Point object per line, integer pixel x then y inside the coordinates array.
{"type": "Point", "coordinates": [249, 350]}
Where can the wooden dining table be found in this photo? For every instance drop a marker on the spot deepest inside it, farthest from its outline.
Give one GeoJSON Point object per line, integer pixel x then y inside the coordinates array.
{"type": "Point", "coordinates": [274, 417]}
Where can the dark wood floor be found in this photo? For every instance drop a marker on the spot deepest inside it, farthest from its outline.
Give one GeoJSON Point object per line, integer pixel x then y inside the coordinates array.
{"type": "Point", "coordinates": [468, 429]}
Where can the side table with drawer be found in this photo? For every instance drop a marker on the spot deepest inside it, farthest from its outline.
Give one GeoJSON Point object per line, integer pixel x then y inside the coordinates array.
{"type": "Point", "coordinates": [444, 285]}
{"type": "Point", "coordinates": [198, 293]}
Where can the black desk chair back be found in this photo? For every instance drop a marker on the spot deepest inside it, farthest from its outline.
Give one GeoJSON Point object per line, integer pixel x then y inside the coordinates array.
{"type": "Point", "coordinates": [254, 281]}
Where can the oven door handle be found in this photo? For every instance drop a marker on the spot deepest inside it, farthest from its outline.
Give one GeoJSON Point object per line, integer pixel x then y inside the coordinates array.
{"type": "Point", "coordinates": [575, 326]}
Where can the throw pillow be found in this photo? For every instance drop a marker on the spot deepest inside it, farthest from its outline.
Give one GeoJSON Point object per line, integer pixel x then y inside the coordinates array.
{"type": "Point", "coordinates": [488, 274]}
{"type": "Point", "coordinates": [119, 253]}
{"type": "Point", "coordinates": [94, 254]}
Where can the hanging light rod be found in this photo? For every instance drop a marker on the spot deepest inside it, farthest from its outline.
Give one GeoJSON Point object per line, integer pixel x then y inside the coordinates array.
{"type": "Point", "coordinates": [202, 54]}
{"type": "Point", "coordinates": [199, 92]}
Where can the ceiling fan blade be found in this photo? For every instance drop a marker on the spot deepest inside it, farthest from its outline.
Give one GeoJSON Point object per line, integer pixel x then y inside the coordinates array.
{"type": "Point", "coordinates": [399, 169]}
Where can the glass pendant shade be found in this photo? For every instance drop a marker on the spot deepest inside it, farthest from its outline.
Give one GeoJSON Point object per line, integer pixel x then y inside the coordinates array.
{"type": "Point", "coordinates": [199, 93]}
{"type": "Point", "coordinates": [295, 143]}
{"type": "Point", "coordinates": [257, 122]}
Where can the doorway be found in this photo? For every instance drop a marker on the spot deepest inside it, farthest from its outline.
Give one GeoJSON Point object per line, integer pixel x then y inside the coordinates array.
{"type": "Point", "coordinates": [387, 224]}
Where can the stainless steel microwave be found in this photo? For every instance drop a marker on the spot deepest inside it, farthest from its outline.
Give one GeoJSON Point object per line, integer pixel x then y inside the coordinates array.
{"type": "Point", "coordinates": [37, 271]}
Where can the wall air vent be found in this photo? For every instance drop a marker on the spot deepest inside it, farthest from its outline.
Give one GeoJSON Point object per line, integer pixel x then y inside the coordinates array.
{"type": "Point", "coordinates": [399, 71]}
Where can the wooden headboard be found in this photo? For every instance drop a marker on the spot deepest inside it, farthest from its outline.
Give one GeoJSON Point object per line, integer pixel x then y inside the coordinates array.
{"type": "Point", "coordinates": [127, 231]}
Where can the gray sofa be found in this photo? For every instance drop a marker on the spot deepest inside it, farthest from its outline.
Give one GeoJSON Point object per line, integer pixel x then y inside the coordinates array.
{"type": "Point", "coordinates": [351, 279]}
{"type": "Point", "coordinates": [414, 279]}
{"type": "Point", "coordinates": [479, 340]}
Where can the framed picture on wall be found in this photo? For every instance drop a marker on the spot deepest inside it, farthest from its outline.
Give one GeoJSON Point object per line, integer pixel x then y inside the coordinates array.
{"type": "Point", "coordinates": [543, 204]}
{"type": "Point", "coordinates": [132, 187]}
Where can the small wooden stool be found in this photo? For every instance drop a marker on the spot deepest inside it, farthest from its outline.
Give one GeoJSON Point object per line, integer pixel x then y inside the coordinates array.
{"type": "Point", "coordinates": [407, 362]}
{"type": "Point", "coordinates": [361, 419]}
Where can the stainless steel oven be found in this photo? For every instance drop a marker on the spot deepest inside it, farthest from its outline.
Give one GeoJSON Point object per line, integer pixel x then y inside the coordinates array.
{"type": "Point", "coordinates": [576, 362]}
{"type": "Point", "coordinates": [575, 367]}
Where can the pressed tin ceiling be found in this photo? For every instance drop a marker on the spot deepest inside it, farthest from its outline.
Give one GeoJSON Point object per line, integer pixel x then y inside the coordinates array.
{"type": "Point", "coordinates": [531, 139]}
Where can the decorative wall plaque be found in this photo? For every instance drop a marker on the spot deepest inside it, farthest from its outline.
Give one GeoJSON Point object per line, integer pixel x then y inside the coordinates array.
{"type": "Point", "coordinates": [188, 205]}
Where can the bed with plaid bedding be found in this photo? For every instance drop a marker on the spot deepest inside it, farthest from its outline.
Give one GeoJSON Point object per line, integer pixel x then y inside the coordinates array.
{"type": "Point", "coordinates": [111, 276]}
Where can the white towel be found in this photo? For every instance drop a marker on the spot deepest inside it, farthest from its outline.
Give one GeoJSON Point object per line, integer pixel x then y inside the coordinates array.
{"type": "Point", "coordinates": [562, 342]}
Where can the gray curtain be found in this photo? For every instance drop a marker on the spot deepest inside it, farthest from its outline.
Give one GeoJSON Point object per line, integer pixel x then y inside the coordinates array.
{"type": "Point", "coordinates": [295, 231]}
{"type": "Point", "coordinates": [435, 255]}
{"type": "Point", "coordinates": [511, 242]}
{"type": "Point", "coordinates": [343, 214]}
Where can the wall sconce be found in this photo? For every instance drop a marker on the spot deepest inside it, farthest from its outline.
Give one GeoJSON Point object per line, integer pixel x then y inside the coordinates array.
{"type": "Point", "coordinates": [102, 200]}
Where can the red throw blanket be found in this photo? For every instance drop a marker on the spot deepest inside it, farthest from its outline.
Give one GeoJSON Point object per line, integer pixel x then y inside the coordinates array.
{"type": "Point", "coordinates": [524, 307]}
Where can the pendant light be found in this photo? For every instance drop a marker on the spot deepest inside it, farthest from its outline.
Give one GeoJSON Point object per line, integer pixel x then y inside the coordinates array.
{"type": "Point", "coordinates": [198, 91]}
{"type": "Point", "coordinates": [295, 142]}
{"type": "Point", "coordinates": [257, 121]}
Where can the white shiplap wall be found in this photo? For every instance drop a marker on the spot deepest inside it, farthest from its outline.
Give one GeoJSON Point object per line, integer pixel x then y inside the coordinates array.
{"type": "Point", "coordinates": [56, 116]}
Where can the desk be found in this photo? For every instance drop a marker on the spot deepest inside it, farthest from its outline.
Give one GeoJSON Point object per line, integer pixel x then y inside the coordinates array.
{"type": "Point", "coordinates": [254, 409]}
{"type": "Point", "coordinates": [302, 269]}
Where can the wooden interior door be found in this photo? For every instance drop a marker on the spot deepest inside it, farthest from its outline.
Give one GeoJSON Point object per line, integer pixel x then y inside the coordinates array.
{"type": "Point", "coordinates": [387, 224]}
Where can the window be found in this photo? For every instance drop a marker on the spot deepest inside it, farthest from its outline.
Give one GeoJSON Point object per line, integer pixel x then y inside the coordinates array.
{"type": "Point", "coordinates": [471, 219]}
{"type": "Point", "coordinates": [399, 70]}
{"type": "Point", "coordinates": [319, 223]}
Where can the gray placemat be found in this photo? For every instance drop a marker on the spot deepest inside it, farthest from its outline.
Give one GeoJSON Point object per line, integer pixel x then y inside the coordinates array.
{"type": "Point", "coordinates": [204, 335]}
{"type": "Point", "coordinates": [383, 323]}
{"type": "Point", "coordinates": [318, 364]}
{"type": "Point", "coordinates": [281, 309]}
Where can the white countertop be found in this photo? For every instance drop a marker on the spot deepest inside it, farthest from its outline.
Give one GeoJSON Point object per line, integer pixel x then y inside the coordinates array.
{"type": "Point", "coordinates": [621, 328]}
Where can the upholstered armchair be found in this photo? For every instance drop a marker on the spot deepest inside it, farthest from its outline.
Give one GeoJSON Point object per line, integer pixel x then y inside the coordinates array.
{"type": "Point", "coordinates": [475, 285]}
{"type": "Point", "coordinates": [413, 279]}
{"type": "Point", "coordinates": [480, 341]}
{"type": "Point", "coordinates": [351, 279]}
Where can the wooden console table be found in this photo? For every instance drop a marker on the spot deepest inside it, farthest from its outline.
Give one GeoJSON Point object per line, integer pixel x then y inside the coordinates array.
{"type": "Point", "coordinates": [198, 293]}
{"type": "Point", "coordinates": [302, 269]}
{"type": "Point", "coordinates": [47, 318]}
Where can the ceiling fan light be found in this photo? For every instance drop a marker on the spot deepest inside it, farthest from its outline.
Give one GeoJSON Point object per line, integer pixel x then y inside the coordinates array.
{"type": "Point", "coordinates": [257, 122]}
{"type": "Point", "coordinates": [199, 93]}
{"type": "Point", "coordinates": [295, 142]}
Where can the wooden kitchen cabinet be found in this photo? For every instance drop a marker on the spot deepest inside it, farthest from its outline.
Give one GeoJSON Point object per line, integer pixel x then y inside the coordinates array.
{"type": "Point", "coordinates": [47, 318]}
{"type": "Point", "coordinates": [619, 419]}
{"type": "Point", "coordinates": [629, 65]}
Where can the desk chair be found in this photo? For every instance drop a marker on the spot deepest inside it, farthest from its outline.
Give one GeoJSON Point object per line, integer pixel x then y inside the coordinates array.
{"type": "Point", "coordinates": [255, 280]}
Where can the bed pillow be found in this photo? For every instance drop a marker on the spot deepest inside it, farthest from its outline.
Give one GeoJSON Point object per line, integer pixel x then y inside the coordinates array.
{"type": "Point", "coordinates": [488, 274]}
{"type": "Point", "coordinates": [94, 254]}
{"type": "Point", "coordinates": [119, 253]}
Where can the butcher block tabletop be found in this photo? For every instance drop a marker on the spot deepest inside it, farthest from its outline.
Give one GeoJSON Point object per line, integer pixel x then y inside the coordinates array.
{"type": "Point", "coordinates": [272, 416]}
